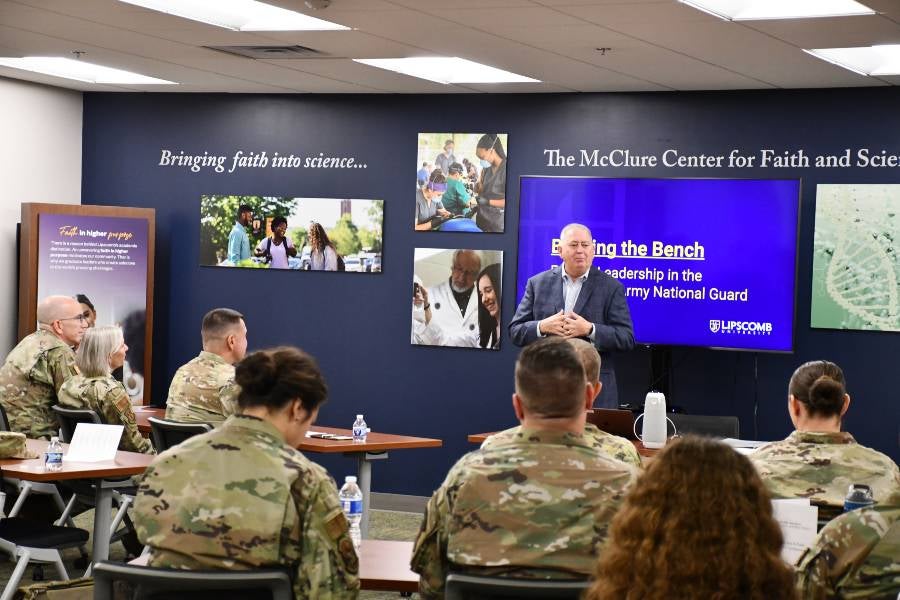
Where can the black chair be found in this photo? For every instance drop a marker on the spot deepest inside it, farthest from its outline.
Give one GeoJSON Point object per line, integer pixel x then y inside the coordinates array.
{"type": "Point", "coordinates": [476, 587]}
{"type": "Point", "coordinates": [69, 418]}
{"type": "Point", "coordinates": [4, 420]}
{"type": "Point", "coordinates": [30, 541]}
{"type": "Point", "coordinates": [711, 426]}
{"type": "Point", "coordinates": [166, 434]}
{"type": "Point", "coordinates": [171, 583]}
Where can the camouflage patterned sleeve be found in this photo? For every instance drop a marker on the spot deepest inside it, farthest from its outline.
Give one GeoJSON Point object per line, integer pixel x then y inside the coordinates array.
{"type": "Point", "coordinates": [61, 365]}
{"type": "Point", "coordinates": [329, 566]}
{"type": "Point", "coordinates": [429, 557]}
{"type": "Point", "coordinates": [228, 395]}
{"type": "Point", "coordinates": [117, 410]}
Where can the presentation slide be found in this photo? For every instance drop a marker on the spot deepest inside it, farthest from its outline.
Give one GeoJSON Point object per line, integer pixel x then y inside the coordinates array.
{"type": "Point", "coordinates": [704, 262]}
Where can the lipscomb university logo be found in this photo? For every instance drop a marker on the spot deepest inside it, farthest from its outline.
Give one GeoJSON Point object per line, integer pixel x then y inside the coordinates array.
{"type": "Point", "coordinates": [715, 325]}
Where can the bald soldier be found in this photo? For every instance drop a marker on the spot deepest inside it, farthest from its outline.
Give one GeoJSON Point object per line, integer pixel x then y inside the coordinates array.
{"type": "Point", "coordinates": [535, 505]}
{"type": "Point", "coordinates": [203, 390]}
{"type": "Point", "coordinates": [39, 365]}
{"type": "Point", "coordinates": [606, 443]}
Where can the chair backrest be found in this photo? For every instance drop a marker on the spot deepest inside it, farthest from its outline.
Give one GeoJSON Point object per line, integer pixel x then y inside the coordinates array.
{"type": "Point", "coordinates": [166, 434]}
{"type": "Point", "coordinates": [170, 583]}
{"type": "Point", "coordinates": [4, 420]}
{"type": "Point", "coordinates": [713, 426]}
{"type": "Point", "coordinates": [70, 417]}
{"type": "Point", "coordinates": [476, 587]}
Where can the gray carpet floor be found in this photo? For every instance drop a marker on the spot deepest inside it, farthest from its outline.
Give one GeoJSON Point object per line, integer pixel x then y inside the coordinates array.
{"type": "Point", "coordinates": [383, 524]}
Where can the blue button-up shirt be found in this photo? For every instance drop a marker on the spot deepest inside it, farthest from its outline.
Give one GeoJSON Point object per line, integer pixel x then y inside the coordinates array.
{"type": "Point", "coordinates": [238, 244]}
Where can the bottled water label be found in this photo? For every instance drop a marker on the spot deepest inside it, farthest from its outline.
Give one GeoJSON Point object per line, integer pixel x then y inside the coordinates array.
{"type": "Point", "coordinates": [54, 457]}
{"type": "Point", "coordinates": [352, 507]}
{"type": "Point", "coordinates": [360, 432]}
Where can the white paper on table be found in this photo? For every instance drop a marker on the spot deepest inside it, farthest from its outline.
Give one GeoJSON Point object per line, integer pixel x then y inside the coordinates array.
{"type": "Point", "coordinates": [798, 520]}
{"type": "Point", "coordinates": [94, 443]}
{"type": "Point", "coordinates": [736, 443]}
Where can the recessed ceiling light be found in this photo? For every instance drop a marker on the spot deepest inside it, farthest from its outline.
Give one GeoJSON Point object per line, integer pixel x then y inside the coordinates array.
{"type": "Point", "coordinates": [877, 61]}
{"type": "Point", "coordinates": [747, 10]}
{"type": "Point", "coordinates": [446, 69]}
{"type": "Point", "coordinates": [80, 70]}
{"type": "Point", "coordinates": [239, 15]}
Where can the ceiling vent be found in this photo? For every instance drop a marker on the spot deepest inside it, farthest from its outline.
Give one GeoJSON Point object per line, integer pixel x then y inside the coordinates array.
{"type": "Point", "coordinates": [272, 52]}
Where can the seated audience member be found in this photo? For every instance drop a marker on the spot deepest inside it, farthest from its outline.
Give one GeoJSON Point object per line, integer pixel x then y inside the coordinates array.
{"type": "Point", "coordinates": [38, 366]}
{"type": "Point", "coordinates": [819, 461]}
{"type": "Point", "coordinates": [203, 390]}
{"type": "Point", "coordinates": [102, 350]}
{"type": "Point", "coordinates": [535, 505]}
{"type": "Point", "coordinates": [857, 555]}
{"type": "Point", "coordinates": [606, 443]}
{"type": "Point", "coordinates": [456, 199]}
{"type": "Point", "coordinates": [241, 497]}
{"type": "Point", "coordinates": [697, 525]}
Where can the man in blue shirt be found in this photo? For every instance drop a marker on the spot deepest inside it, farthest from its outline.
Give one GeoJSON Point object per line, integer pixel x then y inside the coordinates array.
{"type": "Point", "coordinates": [238, 241]}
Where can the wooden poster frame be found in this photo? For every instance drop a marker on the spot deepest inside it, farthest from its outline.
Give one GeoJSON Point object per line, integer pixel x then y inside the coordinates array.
{"type": "Point", "coordinates": [28, 266]}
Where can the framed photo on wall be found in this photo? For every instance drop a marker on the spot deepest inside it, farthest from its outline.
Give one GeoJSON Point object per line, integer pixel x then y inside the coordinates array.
{"type": "Point", "coordinates": [461, 182]}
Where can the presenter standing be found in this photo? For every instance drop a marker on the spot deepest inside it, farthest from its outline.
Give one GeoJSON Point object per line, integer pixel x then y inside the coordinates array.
{"type": "Point", "coordinates": [577, 301]}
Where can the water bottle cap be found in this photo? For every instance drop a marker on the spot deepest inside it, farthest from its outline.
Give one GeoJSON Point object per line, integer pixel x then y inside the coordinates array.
{"type": "Point", "coordinates": [350, 479]}
{"type": "Point", "coordinates": [359, 416]}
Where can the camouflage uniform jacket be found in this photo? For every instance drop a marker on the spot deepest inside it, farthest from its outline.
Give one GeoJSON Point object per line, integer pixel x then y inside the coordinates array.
{"type": "Point", "coordinates": [29, 379]}
{"type": "Point", "coordinates": [107, 397]}
{"type": "Point", "coordinates": [535, 505]}
{"type": "Point", "coordinates": [822, 466]}
{"type": "Point", "coordinates": [239, 498]}
{"type": "Point", "coordinates": [856, 556]}
{"type": "Point", "coordinates": [606, 443]}
{"type": "Point", "coordinates": [203, 391]}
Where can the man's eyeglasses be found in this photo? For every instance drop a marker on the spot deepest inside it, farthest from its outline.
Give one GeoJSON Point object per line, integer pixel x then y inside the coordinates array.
{"type": "Point", "coordinates": [464, 272]}
{"type": "Point", "coordinates": [81, 318]}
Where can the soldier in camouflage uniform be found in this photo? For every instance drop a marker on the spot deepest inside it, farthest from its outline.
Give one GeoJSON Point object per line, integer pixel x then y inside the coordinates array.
{"type": "Point", "coordinates": [38, 366]}
{"type": "Point", "coordinates": [203, 390]}
{"type": "Point", "coordinates": [241, 497]}
{"type": "Point", "coordinates": [819, 461]}
{"type": "Point", "coordinates": [857, 555]}
{"type": "Point", "coordinates": [606, 443]}
{"type": "Point", "coordinates": [102, 351]}
{"type": "Point", "coordinates": [536, 504]}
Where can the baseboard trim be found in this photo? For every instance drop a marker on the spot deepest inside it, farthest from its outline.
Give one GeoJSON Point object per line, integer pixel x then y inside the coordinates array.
{"type": "Point", "coordinates": [398, 502]}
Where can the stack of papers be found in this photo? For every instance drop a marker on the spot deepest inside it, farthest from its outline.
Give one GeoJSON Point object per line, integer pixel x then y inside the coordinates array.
{"type": "Point", "coordinates": [798, 520]}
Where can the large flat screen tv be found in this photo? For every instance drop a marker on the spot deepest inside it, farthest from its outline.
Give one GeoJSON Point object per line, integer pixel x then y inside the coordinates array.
{"type": "Point", "coordinates": [704, 262]}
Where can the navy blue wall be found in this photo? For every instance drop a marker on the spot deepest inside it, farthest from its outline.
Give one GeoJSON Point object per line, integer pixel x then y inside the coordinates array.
{"type": "Point", "coordinates": [358, 326]}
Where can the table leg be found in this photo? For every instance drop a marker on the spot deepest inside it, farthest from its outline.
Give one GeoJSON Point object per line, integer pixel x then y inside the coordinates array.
{"type": "Point", "coordinates": [102, 512]}
{"type": "Point", "coordinates": [364, 479]}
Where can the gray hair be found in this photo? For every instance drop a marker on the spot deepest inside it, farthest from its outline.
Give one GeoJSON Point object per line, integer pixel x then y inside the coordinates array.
{"type": "Point", "coordinates": [562, 234]}
{"type": "Point", "coordinates": [459, 251]}
{"type": "Point", "coordinates": [92, 356]}
{"type": "Point", "coordinates": [53, 308]}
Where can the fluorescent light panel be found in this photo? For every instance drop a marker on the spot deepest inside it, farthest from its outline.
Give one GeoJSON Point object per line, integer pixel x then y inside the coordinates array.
{"type": "Point", "coordinates": [877, 61]}
{"type": "Point", "coordinates": [80, 70]}
{"type": "Point", "coordinates": [446, 69]}
{"type": "Point", "coordinates": [748, 10]}
{"type": "Point", "coordinates": [239, 15]}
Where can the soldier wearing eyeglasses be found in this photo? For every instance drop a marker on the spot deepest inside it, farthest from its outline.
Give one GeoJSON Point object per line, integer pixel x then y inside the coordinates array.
{"type": "Point", "coordinates": [38, 366]}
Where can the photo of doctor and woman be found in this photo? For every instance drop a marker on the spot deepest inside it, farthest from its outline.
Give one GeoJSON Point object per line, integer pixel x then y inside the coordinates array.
{"type": "Point", "coordinates": [456, 298]}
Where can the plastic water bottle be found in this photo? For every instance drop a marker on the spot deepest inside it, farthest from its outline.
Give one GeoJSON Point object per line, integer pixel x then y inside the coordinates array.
{"type": "Point", "coordinates": [53, 456]}
{"type": "Point", "coordinates": [352, 503]}
{"type": "Point", "coordinates": [858, 496]}
{"type": "Point", "coordinates": [360, 430]}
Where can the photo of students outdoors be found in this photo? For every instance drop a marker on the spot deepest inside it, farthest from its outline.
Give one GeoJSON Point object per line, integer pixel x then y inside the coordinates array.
{"type": "Point", "coordinates": [456, 298]}
{"type": "Point", "coordinates": [461, 182]}
{"type": "Point", "coordinates": [302, 234]}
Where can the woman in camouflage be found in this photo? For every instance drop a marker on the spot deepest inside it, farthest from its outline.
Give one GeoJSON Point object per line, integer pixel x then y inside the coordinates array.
{"type": "Point", "coordinates": [242, 497]}
{"type": "Point", "coordinates": [819, 461]}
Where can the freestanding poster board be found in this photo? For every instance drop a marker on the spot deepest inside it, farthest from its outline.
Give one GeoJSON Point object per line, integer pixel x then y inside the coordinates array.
{"type": "Point", "coordinates": [103, 253]}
